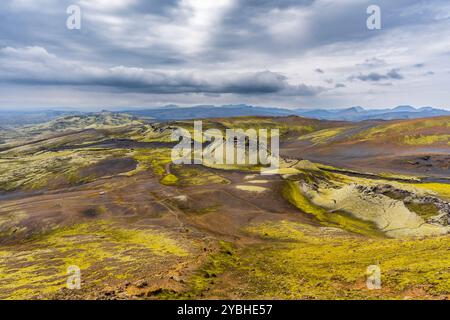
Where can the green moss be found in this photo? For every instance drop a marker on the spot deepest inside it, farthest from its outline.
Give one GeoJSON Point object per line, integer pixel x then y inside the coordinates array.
{"type": "Point", "coordinates": [42, 169]}
{"type": "Point", "coordinates": [426, 139]}
{"type": "Point", "coordinates": [225, 260]}
{"type": "Point", "coordinates": [155, 159]}
{"type": "Point", "coordinates": [343, 220]}
{"type": "Point", "coordinates": [396, 176]}
{"type": "Point", "coordinates": [424, 210]}
{"type": "Point", "coordinates": [442, 189]}
{"type": "Point", "coordinates": [101, 250]}
{"type": "Point", "coordinates": [159, 243]}
{"type": "Point", "coordinates": [322, 136]}
{"type": "Point", "coordinates": [258, 123]}
{"type": "Point", "coordinates": [298, 262]}
{"type": "Point", "coordinates": [410, 132]}
{"type": "Point", "coordinates": [193, 176]}
{"type": "Point", "coordinates": [169, 180]}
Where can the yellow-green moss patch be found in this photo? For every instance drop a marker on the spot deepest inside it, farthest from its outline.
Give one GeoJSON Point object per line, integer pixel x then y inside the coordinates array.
{"type": "Point", "coordinates": [100, 250]}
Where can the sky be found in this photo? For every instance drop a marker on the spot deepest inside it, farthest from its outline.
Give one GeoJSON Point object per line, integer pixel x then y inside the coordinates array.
{"type": "Point", "coordinates": [278, 53]}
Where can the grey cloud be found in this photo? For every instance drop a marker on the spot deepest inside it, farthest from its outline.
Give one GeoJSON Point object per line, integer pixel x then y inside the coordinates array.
{"type": "Point", "coordinates": [31, 23]}
{"type": "Point", "coordinates": [158, 7]}
{"type": "Point", "coordinates": [372, 63]}
{"type": "Point", "coordinates": [36, 66]}
{"type": "Point", "coordinates": [247, 25]}
{"type": "Point", "coordinates": [394, 74]}
{"type": "Point", "coordinates": [314, 24]}
{"type": "Point", "coordinates": [384, 84]}
{"type": "Point", "coordinates": [303, 90]}
{"type": "Point", "coordinates": [153, 39]}
{"type": "Point", "coordinates": [375, 76]}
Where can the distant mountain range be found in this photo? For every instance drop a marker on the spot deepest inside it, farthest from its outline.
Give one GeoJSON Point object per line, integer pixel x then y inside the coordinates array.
{"type": "Point", "coordinates": [360, 114]}
{"type": "Point", "coordinates": [208, 111]}
{"type": "Point", "coordinates": [21, 117]}
{"type": "Point", "coordinates": [348, 114]}
{"type": "Point", "coordinates": [173, 112]}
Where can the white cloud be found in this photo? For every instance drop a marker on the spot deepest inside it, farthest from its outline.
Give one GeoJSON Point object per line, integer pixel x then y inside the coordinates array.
{"type": "Point", "coordinates": [201, 51]}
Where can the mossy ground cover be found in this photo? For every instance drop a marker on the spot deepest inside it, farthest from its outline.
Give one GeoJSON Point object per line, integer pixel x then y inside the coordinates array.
{"type": "Point", "coordinates": [441, 189]}
{"type": "Point", "coordinates": [223, 260]}
{"type": "Point", "coordinates": [103, 251]}
{"type": "Point", "coordinates": [155, 159]}
{"type": "Point", "coordinates": [246, 123]}
{"type": "Point", "coordinates": [160, 162]}
{"type": "Point", "coordinates": [424, 210]}
{"type": "Point", "coordinates": [423, 140]}
{"type": "Point", "coordinates": [409, 132]}
{"type": "Point", "coordinates": [322, 136]}
{"type": "Point", "coordinates": [41, 170]}
{"type": "Point", "coordinates": [103, 120]}
{"type": "Point", "coordinates": [169, 180]}
{"type": "Point", "coordinates": [298, 261]}
{"type": "Point", "coordinates": [196, 176]}
{"type": "Point", "coordinates": [278, 259]}
{"type": "Point", "coordinates": [292, 193]}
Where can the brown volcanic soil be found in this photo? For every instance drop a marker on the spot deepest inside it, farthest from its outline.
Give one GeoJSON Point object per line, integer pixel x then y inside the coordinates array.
{"type": "Point", "coordinates": [189, 222]}
{"type": "Point", "coordinates": [199, 215]}
{"type": "Point", "coordinates": [382, 146]}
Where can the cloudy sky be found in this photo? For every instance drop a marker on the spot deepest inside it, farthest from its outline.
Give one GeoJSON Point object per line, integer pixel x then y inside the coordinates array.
{"type": "Point", "coordinates": [287, 53]}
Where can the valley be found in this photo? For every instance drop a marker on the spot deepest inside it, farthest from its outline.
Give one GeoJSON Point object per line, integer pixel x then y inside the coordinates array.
{"type": "Point", "coordinates": [100, 191]}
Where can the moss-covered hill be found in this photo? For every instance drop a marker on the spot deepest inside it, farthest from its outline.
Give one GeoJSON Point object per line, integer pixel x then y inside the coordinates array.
{"type": "Point", "coordinates": [100, 192]}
